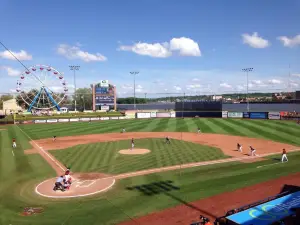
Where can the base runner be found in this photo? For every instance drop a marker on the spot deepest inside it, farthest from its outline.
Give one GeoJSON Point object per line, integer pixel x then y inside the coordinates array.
{"type": "Point", "coordinates": [284, 157]}
{"type": "Point", "coordinates": [14, 144]}
{"type": "Point", "coordinates": [132, 144]}
{"type": "Point", "coordinates": [252, 151]}
{"type": "Point", "coordinates": [239, 147]}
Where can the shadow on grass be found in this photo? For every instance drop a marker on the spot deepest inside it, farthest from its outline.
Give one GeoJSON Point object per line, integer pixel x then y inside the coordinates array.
{"type": "Point", "coordinates": [165, 187]}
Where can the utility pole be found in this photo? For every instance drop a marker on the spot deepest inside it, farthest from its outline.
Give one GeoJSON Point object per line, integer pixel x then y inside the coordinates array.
{"type": "Point", "coordinates": [247, 70]}
{"type": "Point", "coordinates": [134, 73]}
{"type": "Point", "coordinates": [74, 68]}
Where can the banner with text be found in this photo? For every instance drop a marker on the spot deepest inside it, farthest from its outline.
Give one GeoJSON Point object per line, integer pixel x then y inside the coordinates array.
{"type": "Point", "coordinates": [274, 115]}
{"type": "Point", "coordinates": [143, 115]}
{"type": "Point", "coordinates": [235, 115]}
{"type": "Point", "coordinates": [258, 115]}
{"type": "Point", "coordinates": [224, 114]}
{"type": "Point", "coordinates": [163, 115]}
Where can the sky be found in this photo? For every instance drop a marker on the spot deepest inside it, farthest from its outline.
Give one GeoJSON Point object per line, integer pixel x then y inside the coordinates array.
{"type": "Point", "coordinates": [191, 46]}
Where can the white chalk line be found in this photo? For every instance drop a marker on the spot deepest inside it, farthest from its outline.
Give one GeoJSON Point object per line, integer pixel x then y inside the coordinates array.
{"type": "Point", "coordinates": [271, 164]}
{"type": "Point", "coordinates": [12, 151]}
{"type": "Point", "coordinates": [74, 196]}
{"type": "Point", "coordinates": [63, 169]}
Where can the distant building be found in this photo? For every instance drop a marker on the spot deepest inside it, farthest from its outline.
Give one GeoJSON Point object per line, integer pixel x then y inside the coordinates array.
{"type": "Point", "coordinates": [10, 106]}
{"type": "Point", "coordinates": [217, 97]}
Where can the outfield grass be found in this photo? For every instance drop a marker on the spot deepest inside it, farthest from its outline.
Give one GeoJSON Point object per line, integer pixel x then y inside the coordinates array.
{"type": "Point", "coordinates": [280, 131]}
{"type": "Point", "coordinates": [20, 173]}
{"type": "Point", "coordinates": [104, 157]}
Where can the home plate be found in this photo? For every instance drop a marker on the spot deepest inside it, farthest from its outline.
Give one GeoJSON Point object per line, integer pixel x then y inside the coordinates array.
{"type": "Point", "coordinates": [79, 188]}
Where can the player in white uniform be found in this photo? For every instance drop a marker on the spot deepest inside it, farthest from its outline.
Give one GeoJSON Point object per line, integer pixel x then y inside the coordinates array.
{"type": "Point", "coordinates": [239, 147]}
{"type": "Point", "coordinates": [14, 144]}
{"type": "Point", "coordinates": [252, 151]}
{"type": "Point", "coordinates": [284, 157]}
{"type": "Point", "coordinates": [132, 144]}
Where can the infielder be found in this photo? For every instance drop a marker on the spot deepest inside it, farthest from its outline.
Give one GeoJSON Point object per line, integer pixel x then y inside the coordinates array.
{"type": "Point", "coordinates": [239, 147]}
{"type": "Point", "coordinates": [14, 144]}
{"type": "Point", "coordinates": [252, 151]}
{"type": "Point", "coordinates": [198, 130]}
{"type": "Point", "coordinates": [284, 156]}
{"type": "Point", "coordinates": [54, 138]}
{"type": "Point", "coordinates": [123, 130]}
{"type": "Point", "coordinates": [132, 144]}
{"type": "Point", "coordinates": [168, 140]}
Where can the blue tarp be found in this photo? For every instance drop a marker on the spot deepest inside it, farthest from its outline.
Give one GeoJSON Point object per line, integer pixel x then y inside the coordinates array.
{"type": "Point", "coordinates": [268, 212]}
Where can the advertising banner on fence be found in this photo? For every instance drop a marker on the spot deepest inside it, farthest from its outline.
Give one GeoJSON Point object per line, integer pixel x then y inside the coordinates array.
{"type": "Point", "coordinates": [224, 114]}
{"type": "Point", "coordinates": [235, 115]}
{"type": "Point", "coordinates": [258, 115]}
{"type": "Point", "coordinates": [246, 115]}
{"type": "Point", "coordinates": [74, 119]}
{"type": "Point", "coordinates": [95, 118]}
{"type": "Point", "coordinates": [85, 119]}
{"type": "Point", "coordinates": [104, 107]}
{"type": "Point", "coordinates": [274, 115]}
{"type": "Point", "coordinates": [40, 121]}
{"type": "Point", "coordinates": [63, 120]}
{"type": "Point", "coordinates": [163, 115]}
{"type": "Point", "coordinates": [122, 117]}
{"type": "Point", "coordinates": [172, 114]}
{"type": "Point", "coordinates": [153, 114]}
{"type": "Point", "coordinates": [143, 115]}
{"type": "Point", "coordinates": [52, 121]}
{"type": "Point", "coordinates": [104, 118]}
{"type": "Point", "coordinates": [114, 118]}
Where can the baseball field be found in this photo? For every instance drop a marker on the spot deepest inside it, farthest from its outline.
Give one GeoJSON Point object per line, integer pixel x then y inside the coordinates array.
{"type": "Point", "coordinates": [155, 183]}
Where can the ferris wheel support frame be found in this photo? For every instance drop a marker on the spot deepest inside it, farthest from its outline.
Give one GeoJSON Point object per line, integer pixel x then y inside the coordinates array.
{"type": "Point", "coordinates": [34, 100]}
{"type": "Point", "coordinates": [52, 100]}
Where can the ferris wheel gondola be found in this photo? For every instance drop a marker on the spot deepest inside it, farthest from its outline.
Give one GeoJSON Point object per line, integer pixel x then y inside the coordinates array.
{"type": "Point", "coordinates": [42, 87]}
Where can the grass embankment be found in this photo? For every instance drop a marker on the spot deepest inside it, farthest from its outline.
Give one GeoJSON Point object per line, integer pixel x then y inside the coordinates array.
{"type": "Point", "coordinates": [104, 157]}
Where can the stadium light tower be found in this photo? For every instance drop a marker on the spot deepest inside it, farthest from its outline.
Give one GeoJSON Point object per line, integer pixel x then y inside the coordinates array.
{"type": "Point", "coordinates": [134, 73]}
{"type": "Point", "coordinates": [247, 70]}
{"type": "Point", "coordinates": [74, 68]}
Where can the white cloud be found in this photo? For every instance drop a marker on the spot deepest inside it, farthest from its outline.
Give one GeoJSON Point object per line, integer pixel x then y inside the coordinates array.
{"type": "Point", "coordinates": [138, 86]}
{"type": "Point", "coordinates": [294, 84]}
{"type": "Point", "coordinates": [255, 41]}
{"type": "Point", "coordinates": [256, 82]}
{"type": "Point", "coordinates": [156, 50]}
{"type": "Point", "coordinates": [290, 42]}
{"type": "Point", "coordinates": [127, 86]}
{"type": "Point", "coordinates": [21, 55]}
{"type": "Point", "coordinates": [185, 47]}
{"type": "Point", "coordinates": [225, 85]}
{"type": "Point", "coordinates": [11, 71]}
{"type": "Point", "coordinates": [177, 88]}
{"type": "Point", "coordinates": [195, 79]}
{"type": "Point", "coordinates": [74, 52]}
{"type": "Point", "coordinates": [296, 75]}
{"type": "Point", "coordinates": [240, 87]}
{"type": "Point", "coordinates": [193, 86]}
{"type": "Point", "coordinates": [274, 81]}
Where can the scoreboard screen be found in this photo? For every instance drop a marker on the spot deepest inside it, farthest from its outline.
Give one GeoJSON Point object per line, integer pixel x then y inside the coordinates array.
{"type": "Point", "coordinates": [104, 94]}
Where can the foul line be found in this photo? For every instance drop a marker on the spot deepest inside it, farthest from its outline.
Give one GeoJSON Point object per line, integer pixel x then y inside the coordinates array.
{"type": "Point", "coordinates": [271, 164]}
{"type": "Point", "coordinates": [12, 151]}
{"type": "Point", "coordinates": [40, 148]}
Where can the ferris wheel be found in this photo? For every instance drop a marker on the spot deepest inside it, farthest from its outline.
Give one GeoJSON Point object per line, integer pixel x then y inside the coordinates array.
{"type": "Point", "coordinates": [42, 87]}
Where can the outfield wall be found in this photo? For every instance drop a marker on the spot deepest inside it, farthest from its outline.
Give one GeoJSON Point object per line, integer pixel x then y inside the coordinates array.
{"type": "Point", "coordinates": [242, 107]}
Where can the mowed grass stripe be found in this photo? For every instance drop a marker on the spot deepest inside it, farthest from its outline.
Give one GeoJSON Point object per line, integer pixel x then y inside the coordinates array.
{"type": "Point", "coordinates": [171, 125]}
{"type": "Point", "coordinates": [7, 161]}
{"type": "Point", "coordinates": [181, 125]}
{"type": "Point", "coordinates": [277, 127]}
{"type": "Point", "coordinates": [151, 125]}
{"type": "Point", "coordinates": [227, 127]}
{"type": "Point", "coordinates": [242, 129]}
{"type": "Point", "coordinates": [191, 124]}
{"type": "Point", "coordinates": [215, 128]}
{"type": "Point", "coordinates": [204, 127]}
{"type": "Point", "coordinates": [163, 123]}
{"type": "Point", "coordinates": [264, 132]}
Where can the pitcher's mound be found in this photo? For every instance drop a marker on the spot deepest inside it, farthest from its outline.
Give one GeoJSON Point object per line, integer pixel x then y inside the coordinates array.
{"type": "Point", "coordinates": [136, 151]}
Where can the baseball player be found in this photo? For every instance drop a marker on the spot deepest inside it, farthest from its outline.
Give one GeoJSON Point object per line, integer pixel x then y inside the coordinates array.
{"type": "Point", "coordinates": [58, 184]}
{"type": "Point", "coordinates": [168, 140]}
{"type": "Point", "coordinates": [239, 147]}
{"type": "Point", "coordinates": [54, 138]}
{"type": "Point", "coordinates": [284, 156]}
{"type": "Point", "coordinates": [198, 130]}
{"type": "Point", "coordinates": [132, 144]}
{"type": "Point", "coordinates": [252, 151]}
{"type": "Point", "coordinates": [123, 130]}
{"type": "Point", "coordinates": [14, 144]}
{"type": "Point", "coordinates": [67, 179]}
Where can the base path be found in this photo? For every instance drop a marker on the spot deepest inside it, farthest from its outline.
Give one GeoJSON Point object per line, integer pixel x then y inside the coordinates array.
{"type": "Point", "coordinates": [99, 183]}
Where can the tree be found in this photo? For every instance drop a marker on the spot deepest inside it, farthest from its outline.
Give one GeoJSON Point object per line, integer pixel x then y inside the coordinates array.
{"type": "Point", "coordinates": [84, 98]}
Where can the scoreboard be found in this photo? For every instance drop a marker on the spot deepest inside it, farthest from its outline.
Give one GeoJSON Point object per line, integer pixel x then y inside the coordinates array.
{"type": "Point", "coordinates": [104, 94]}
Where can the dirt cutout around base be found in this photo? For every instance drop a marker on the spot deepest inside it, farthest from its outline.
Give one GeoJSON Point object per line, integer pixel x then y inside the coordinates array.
{"type": "Point", "coordinates": [82, 185]}
{"type": "Point", "coordinates": [135, 151]}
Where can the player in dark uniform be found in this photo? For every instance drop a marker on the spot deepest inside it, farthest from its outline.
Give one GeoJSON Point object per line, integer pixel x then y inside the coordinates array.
{"type": "Point", "coordinates": [168, 140]}
{"type": "Point", "coordinates": [54, 138]}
